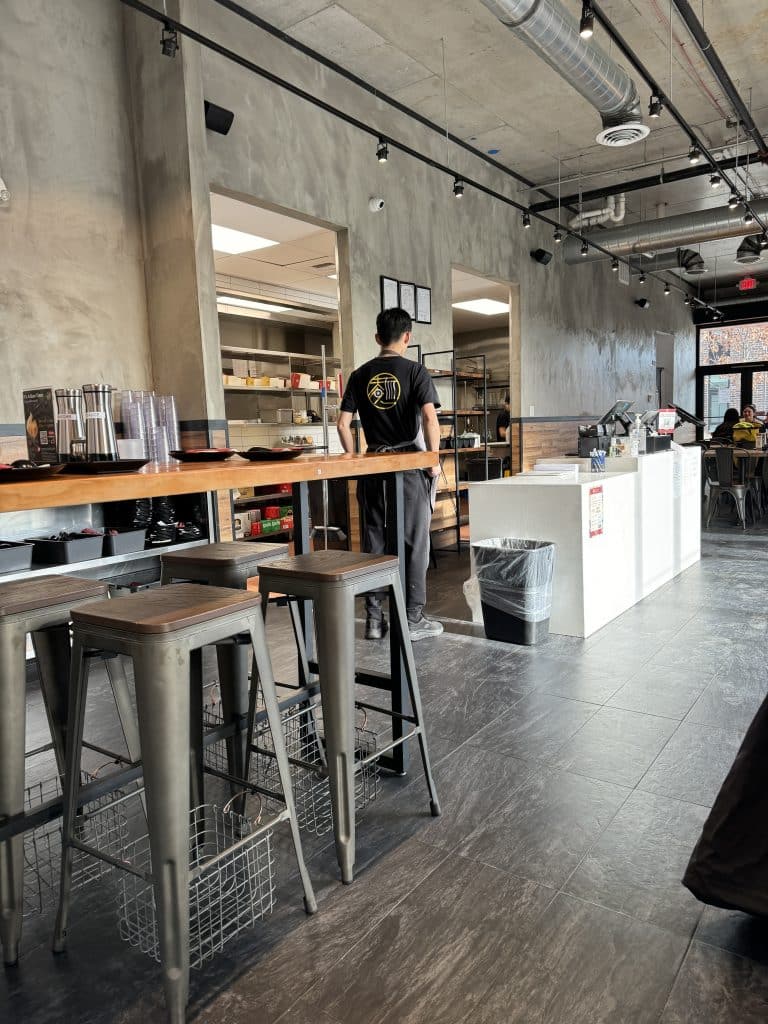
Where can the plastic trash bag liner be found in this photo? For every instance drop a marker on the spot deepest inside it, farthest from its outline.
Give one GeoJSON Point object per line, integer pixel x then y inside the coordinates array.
{"type": "Point", "coordinates": [729, 865]}
{"type": "Point", "coordinates": [515, 576]}
{"type": "Point", "coordinates": [471, 590]}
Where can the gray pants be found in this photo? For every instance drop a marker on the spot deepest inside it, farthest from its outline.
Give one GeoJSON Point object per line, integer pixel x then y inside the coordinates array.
{"type": "Point", "coordinates": [417, 514]}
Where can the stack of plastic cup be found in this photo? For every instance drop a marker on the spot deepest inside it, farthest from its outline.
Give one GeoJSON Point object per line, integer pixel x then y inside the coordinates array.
{"type": "Point", "coordinates": [166, 416]}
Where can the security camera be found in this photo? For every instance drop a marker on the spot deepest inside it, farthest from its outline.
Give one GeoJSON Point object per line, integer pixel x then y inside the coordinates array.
{"type": "Point", "coordinates": [376, 204]}
{"type": "Point", "coordinates": [643, 303]}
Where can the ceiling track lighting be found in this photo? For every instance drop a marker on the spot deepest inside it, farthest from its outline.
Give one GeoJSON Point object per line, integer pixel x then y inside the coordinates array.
{"type": "Point", "coordinates": [763, 239]}
{"type": "Point", "coordinates": [655, 106]}
{"type": "Point", "coordinates": [667, 289]}
{"type": "Point", "coordinates": [614, 265]}
{"type": "Point", "coordinates": [382, 151]}
{"type": "Point", "coordinates": [641, 279]}
{"type": "Point", "coordinates": [587, 23]}
{"type": "Point", "coordinates": [584, 249]}
{"type": "Point", "coordinates": [169, 40]}
{"type": "Point", "coordinates": [558, 236]}
{"type": "Point", "coordinates": [694, 154]}
{"type": "Point", "coordinates": [734, 201]}
{"type": "Point", "coordinates": [748, 217]}
{"type": "Point", "coordinates": [526, 219]}
{"type": "Point", "coordinates": [686, 301]}
{"type": "Point", "coordinates": [714, 181]}
{"type": "Point", "coordinates": [458, 188]}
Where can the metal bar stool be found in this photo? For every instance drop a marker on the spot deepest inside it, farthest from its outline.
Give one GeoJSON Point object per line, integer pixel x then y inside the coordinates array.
{"type": "Point", "coordinates": [332, 580]}
{"type": "Point", "coordinates": [226, 564]}
{"type": "Point", "coordinates": [40, 607]}
{"type": "Point", "coordinates": [163, 631]}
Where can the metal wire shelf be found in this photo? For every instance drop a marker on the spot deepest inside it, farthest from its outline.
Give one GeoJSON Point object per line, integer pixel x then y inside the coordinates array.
{"type": "Point", "coordinates": [303, 734]}
{"type": "Point", "coordinates": [102, 824]}
{"type": "Point", "coordinates": [231, 888]}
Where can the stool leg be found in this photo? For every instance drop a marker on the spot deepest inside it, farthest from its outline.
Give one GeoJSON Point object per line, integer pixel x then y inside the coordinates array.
{"type": "Point", "coordinates": [118, 681]}
{"type": "Point", "coordinates": [233, 662]}
{"type": "Point", "coordinates": [334, 619]}
{"type": "Point", "coordinates": [78, 688]}
{"type": "Point", "coordinates": [396, 598]}
{"type": "Point", "coordinates": [301, 647]}
{"type": "Point", "coordinates": [196, 770]}
{"type": "Point", "coordinates": [163, 708]}
{"type": "Point", "coordinates": [264, 670]}
{"type": "Point", "coordinates": [13, 717]}
{"type": "Point", "coordinates": [53, 655]}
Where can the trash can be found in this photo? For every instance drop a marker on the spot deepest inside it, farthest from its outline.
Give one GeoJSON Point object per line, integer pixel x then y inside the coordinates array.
{"type": "Point", "coordinates": [515, 579]}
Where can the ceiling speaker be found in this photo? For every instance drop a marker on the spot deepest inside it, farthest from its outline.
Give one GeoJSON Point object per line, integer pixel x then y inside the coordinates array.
{"type": "Point", "coordinates": [541, 256]}
{"type": "Point", "coordinates": [217, 119]}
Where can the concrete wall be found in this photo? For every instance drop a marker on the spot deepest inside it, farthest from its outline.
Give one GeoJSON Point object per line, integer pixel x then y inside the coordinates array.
{"type": "Point", "coordinates": [72, 298]}
{"type": "Point", "coordinates": [583, 341]}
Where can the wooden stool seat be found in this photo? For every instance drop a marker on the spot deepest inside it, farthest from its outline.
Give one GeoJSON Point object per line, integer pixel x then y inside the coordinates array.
{"type": "Point", "coordinates": [18, 596]}
{"type": "Point", "coordinates": [329, 566]}
{"type": "Point", "coordinates": [229, 553]}
{"type": "Point", "coordinates": [165, 610]}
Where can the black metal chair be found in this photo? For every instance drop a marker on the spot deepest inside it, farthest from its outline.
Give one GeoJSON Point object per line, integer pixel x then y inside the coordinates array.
{"type": "Point", "coordinates": [726, 475]}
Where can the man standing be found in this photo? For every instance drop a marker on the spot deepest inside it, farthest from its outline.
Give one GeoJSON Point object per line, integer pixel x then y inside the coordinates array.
{"type": "Point", "coordinates": [396, 401]}
{"type": "Point", "coordinates": [502, 421]}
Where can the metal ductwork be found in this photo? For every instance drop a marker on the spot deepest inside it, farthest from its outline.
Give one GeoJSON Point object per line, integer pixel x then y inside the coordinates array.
{"type": "Point", "coordinates": [750, 250]}
{"type": "Point", "coordinates": [687, 260]}
{"type": "Point", "coordinates": [665, 233]}
{"type": "Point", "coordinates": [548, 29]}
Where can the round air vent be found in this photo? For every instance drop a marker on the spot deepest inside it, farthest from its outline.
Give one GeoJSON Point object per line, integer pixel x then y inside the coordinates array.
{"type": "Point", "coordinates": [623, 134]}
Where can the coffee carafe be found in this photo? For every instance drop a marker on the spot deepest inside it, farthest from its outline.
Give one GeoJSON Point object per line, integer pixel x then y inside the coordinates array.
{"type": "Point", "coordinates": [101, 443]}
{"type": "Point", "coordinates": [70, 425]}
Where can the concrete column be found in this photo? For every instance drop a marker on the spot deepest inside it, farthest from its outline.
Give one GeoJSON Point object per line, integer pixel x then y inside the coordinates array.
{"type": "Point", "coordinates": [170, 145]}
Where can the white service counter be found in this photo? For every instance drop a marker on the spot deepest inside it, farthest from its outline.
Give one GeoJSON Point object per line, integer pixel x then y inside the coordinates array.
{"type": "Point", "coordinates": [616, 544]}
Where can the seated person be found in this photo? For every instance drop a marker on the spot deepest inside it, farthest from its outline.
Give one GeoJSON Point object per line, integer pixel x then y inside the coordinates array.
{"type": "Point", "coordinates": [724, 431]}
{"type": "Point", "coordinates": [746, 430]}
{"type": "Point", "coordinates": [502, 422]}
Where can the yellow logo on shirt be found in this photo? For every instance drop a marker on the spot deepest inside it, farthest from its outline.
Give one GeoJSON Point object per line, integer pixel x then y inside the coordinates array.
{"type": "Point", "coordinates": [383, 391]}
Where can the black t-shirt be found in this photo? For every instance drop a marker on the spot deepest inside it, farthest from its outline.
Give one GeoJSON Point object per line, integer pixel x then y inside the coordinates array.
{"type": "Point", "coordinates": [502, 422]}
{"type": "Point", "coordinates": [388, 393]}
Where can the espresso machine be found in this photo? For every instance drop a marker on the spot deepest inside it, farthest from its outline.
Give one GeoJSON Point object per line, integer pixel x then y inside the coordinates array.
{"type": "Point", "coordinates": [100, 440]}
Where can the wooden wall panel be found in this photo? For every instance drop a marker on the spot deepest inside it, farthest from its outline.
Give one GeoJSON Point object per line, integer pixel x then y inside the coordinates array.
{"type": "Point", "coordinates": [542, 440]}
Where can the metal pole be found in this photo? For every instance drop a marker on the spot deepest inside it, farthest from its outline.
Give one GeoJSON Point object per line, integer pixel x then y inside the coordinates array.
{"type": "Point", "coordinates": [324, 411]}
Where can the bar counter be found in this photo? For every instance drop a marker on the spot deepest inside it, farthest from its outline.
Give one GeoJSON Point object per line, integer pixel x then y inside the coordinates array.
{"type": "Point", "coordinates": [193, 477]}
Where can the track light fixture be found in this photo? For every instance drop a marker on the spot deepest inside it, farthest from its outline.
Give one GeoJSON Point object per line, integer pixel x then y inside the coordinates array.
{"type": "Point", "coordinates": [734, 201]}
{"type": "Point", "coordinates": [169, 40]}
{"type": "Point", "coordinates": [614, 265]}
{"type": "Point", "coordinates": [587, 23]}
{"type": "Point", "coordinates": [458, 188]}
{"type": "Point", "coordinates": [655, 105]}
{"type": "Point", "coordinates": [714, 181]}
{"type": "Point", "coordinates": [526, 219]}
{"type": "Point", "coordinates": [667, 289]}
{"type": "Point", "coordinates": [694, 154]}
{"type": "Point", "coordinates": [641, 279]}
{"type": "Point", "coordinates": [382, 151]}
{"type": "Point", "coordinates": [763, 239]}
{"type": "Point", "coordinates": [748, 217]}
{"type": "Point", "coordinates": [686, 301]}
{"type": "Point", "coordinates": [584, 249]}
{"type": "Point", "coordinates": [558, 236]}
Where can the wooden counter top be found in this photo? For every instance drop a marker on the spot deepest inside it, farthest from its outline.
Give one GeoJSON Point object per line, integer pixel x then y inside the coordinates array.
{"type": "Point", "coordinates": [194, 477]}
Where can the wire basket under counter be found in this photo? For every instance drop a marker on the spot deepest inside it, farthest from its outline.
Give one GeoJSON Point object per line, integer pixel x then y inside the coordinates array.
{"type": "Point", "coordinates": [305, 746]}
{"type": "Point", "coordinates": [102, 824]}
{"type": "Point", "coordinates": [231, 886]}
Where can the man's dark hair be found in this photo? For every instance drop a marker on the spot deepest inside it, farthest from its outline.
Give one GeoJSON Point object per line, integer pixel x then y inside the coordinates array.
{"type": "Point", "coordinates": [731, 416]}
{"type": "Point", "coordinates": [506, 399]}
{"type": "Point", "coordinates": [391, 325]}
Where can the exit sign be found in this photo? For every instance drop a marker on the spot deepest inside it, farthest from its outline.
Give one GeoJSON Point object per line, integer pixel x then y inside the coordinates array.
{"type": "Point", "coordinates": [747, 284]}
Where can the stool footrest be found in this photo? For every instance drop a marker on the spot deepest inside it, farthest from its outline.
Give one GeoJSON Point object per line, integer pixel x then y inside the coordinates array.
{"type": "Point", "coordinates": [386, 711]}
{"type": "Point", "coordinates": [395, 743]}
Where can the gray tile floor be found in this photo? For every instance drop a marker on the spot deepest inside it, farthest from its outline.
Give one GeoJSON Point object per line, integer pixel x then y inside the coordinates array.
{"type": "Point", "coordinates": [574, 779]}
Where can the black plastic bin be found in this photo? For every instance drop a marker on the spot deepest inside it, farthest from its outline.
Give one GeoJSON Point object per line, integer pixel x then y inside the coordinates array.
{"type": "Point", "coordinates": [124, 541]}
{"type": "Point", "coordinates": [515, 580]}
{"type": "Point", "coordinates": [81, 547]}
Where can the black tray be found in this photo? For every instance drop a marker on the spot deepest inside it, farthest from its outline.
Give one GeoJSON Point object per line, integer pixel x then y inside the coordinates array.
{"type": "Point", "coordinates": [273, 454]}
{"type": "Point", "coordinates": [14, 556]}
{"type": "Point", "coordinates": [207, 455]}
{"type": "Point", "coordinates": [117, 466]}
{"type": "Point", "coordinates": [8, 476]}
{"type": "Point", "coordinates": [61, 552]}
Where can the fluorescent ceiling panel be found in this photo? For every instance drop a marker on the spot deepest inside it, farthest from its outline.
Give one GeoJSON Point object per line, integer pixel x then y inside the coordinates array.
{"type": "Point", "coordinates": [233, 300]}
{"type": "Point", "coordinates": [488, 307]}
{"type": "Point", "coordinates": [235, 242]}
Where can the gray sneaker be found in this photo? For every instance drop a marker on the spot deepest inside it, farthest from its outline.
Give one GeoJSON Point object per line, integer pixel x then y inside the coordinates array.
{"type": "Point", "coordinates": [422, 628]}
{"type": "Point", "coordinates": [376, 629]}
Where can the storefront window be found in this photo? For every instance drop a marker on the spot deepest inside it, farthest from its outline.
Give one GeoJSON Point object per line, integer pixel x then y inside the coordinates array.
{"type": "Point", "coordinates": [737, 343]}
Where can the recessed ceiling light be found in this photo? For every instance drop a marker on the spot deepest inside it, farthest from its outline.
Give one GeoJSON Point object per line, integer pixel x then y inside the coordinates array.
{"type": "Point", "coordinates": [235, 300]}
{"type": "Point", "coordinates": [235, 242]}
{"type": "Point", "coordinates": [488, 307]}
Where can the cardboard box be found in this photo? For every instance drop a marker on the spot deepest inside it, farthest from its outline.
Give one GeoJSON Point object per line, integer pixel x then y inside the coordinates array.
{"type": "Point", "coordinates": [270, 526]}
{"type": "Point", "coordinates": [40, 424]}
{"type": "Point", "coordinates": [300, 380]}
{"type": "Point", "coordinates": [256, 528]}
{"type": "Point", "coordinates": [286, 523]}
